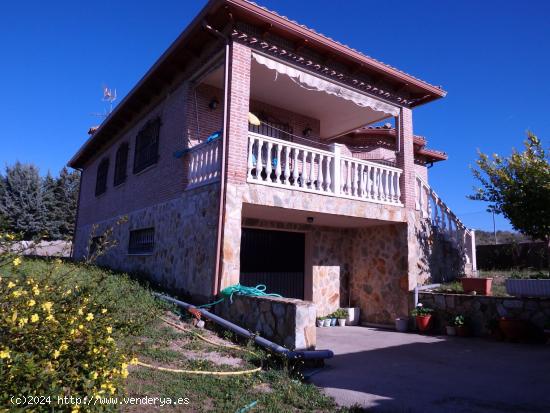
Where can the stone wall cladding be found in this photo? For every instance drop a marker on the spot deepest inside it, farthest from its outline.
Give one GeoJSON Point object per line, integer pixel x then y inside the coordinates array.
{"type": "Point", "coordinates": [183, 260]}
{"type": "Point", "coordinates": [483, 309]}
{"type": "Point", "coordinates": [379, 281]}
{"type": "Point", "coordinates": [285, 321]}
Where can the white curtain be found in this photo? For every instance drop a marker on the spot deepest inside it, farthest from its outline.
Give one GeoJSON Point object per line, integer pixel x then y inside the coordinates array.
{"type": "Point", "coordinates": [310, 82]}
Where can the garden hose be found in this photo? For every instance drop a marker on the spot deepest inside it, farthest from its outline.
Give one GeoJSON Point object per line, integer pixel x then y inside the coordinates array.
{"type": "Point", "coordinates": [258, 291]}
{"type": "Point", "coordinates": [204, 372]}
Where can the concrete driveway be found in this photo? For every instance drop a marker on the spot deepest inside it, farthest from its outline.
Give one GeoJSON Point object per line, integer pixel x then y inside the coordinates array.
{"type": "Point", "coordinates": [396, 372]}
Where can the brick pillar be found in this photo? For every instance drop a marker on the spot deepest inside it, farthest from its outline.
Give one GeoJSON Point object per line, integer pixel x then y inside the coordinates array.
{"type": "Point", "coordinates": [236, 165]}
{"type": "Point", "coordinates": [239, 98]}
{"type": "Point", "coordinates": [405, 157]}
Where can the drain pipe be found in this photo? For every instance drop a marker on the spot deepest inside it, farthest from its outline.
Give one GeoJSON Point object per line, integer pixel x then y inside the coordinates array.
{"type": "Point", "coordinates": [291, 355]}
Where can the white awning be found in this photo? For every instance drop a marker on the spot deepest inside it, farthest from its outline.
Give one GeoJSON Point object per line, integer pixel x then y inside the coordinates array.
{"type": "Point", "coordinates": [311, 82]}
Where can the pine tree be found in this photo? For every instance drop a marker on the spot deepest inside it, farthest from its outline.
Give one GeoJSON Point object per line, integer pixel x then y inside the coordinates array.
{"type": "Point", "coordinates": [52, 215]}
{"type": "Point", "coordinates": [3, 221]}
{"type": "Point", "coordinates": [66, 195]}
{"type": "Point", "coordinates": [21, 203]}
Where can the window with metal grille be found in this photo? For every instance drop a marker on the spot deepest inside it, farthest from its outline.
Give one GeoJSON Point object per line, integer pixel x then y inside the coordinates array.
{"type": "Point", "coordinates": [147, 145]}
{"type": "Point", "coordinates": [142, 241]}
{"type": "Point", "coordinates": [121, 163]}
{"type": "Point", "coordinates": [101, 178]}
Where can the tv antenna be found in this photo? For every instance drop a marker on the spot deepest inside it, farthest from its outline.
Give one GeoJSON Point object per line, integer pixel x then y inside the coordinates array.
{"type": "Point", "coordinates": [109, 96]}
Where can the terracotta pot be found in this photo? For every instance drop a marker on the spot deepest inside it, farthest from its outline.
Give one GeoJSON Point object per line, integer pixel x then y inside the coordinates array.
{"type": "Point", "coordinates": [462, 331]}
{"type": "Point", "coordinates": [423, 322]}
{"type": "Point", "coordinates": [514, 330]}
{"type": "Point", "coordinates": [479, 285]}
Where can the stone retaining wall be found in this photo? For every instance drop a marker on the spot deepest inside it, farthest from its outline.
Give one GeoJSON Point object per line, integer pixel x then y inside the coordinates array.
{"type": "Point", "coordinates": [285, 321]}
{"type": "Point", "coordinates": [482, 309]}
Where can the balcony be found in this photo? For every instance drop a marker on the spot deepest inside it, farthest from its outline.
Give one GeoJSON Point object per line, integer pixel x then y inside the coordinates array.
{"type": "Point", "coordinates": [283, 164]}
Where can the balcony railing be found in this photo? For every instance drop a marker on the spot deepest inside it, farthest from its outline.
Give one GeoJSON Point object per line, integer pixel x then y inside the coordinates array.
{"type": "Point", "coordinates": [279, 163]}
{"type": "Point", "coordinates": [431, 207]}
{"type": "Point", "coordinates": [204, 163]}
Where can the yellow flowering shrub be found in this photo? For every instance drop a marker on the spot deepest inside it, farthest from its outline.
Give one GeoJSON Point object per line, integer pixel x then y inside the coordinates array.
{"type": "Point", "coordinates": [55, 342]}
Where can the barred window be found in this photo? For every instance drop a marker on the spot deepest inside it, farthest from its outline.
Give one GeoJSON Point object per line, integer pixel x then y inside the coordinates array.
{"type": "Point", "coordinates": [121, 163]}
{"type": "Point", "coordinates": [101, 179]}
{"type": "Point", "coordinates": [147, 145]}
{"type": "Point", "coordinates": [142, 241]}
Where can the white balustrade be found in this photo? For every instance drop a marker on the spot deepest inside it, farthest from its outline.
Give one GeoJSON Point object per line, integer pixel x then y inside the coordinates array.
{"type": "Point", "coordinates": [433, 208]}
{"type": "Point", "coordinates": [275, 162]}
{"type": "Point", "coordinates": [204, 163]}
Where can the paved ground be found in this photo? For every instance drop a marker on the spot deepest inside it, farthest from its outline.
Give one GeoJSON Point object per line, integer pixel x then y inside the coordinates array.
{"type": "Point", "coordinates": [395, 372]}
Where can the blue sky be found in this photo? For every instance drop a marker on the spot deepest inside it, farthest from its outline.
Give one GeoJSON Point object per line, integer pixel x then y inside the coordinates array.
{"type": "Point", "coordinates": [493, 58]}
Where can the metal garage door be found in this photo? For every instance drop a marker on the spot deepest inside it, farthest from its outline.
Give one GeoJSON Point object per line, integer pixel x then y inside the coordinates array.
{"type": "Point", "coordinates": [273, 258]}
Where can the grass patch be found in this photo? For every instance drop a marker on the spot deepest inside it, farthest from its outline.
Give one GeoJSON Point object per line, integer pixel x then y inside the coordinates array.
{"type": "Point", "coordinates": [138, 330]}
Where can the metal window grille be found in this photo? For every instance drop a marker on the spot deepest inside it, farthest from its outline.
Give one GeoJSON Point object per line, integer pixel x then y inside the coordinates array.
{"type": "Point", "coordinates": [101, 179]}
{"type": "Point", "coordinates": [121, 163]}
{"type": "Point", "coordinates": [147, 146]}
{"type": "Point", "coordinates": [142, 241]}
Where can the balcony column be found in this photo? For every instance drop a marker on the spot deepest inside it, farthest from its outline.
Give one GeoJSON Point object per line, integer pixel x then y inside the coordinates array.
{"type": "Point", "coordinates": [336, 168]}
{"type": "Point", "coordinates": [405, 157]}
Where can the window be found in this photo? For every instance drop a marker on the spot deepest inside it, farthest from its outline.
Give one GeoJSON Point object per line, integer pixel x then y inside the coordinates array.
{"type": "Point", "coordinates": [121, 163]}
{"type": "Point", "coordinates": [147, 145]}
{"type": "Point", "coordinates": [142, 241]}
{"type": "Point", "coordinates": [101, 179]}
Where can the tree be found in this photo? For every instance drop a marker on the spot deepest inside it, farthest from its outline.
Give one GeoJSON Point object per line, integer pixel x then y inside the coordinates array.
{"type": "Point", "coordinates": [21, 203]}
{"type": "Point", "coordinates": [66, 195]}
{"type": "Point", "coordinates": [52, 219]}
{"type": "Point", "coordinates": [3, 222]}
{"type": "Point", "coordinates": [518, 187]}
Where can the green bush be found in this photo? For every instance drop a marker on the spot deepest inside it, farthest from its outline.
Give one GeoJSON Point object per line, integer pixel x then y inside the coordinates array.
{"type": "Point", "coordinates": [56, 342]}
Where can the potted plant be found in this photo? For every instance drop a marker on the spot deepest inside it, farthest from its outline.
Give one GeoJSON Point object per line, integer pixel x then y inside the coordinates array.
{"type": "Point", "coordinates": [461, 328]}
{"type": "Point", "coordinates": [423, 316]}
{"type": "Point", "coordinates": [326, 322]}
{"type": "Point", "coordinates": [341, 314]}
{"type": "Point", "coordinates": [320, 321]}
{"type": "Point", "coordinates": [402, 324]}
{"type": "Point", "coordinates": [477, 285]}
{"type": "Point", "coordinates": [537, 285]}
{"type": "Point", "coordinates": [332, 319]}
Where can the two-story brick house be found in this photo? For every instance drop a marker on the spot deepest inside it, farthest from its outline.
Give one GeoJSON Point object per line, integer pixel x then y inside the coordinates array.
{"type": "Point", "coordinates": [311, 201]}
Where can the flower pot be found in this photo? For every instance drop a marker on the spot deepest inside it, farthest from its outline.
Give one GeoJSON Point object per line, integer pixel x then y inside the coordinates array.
{"type": "Point", "coordinates": [333, 322]}
{"type": "Point", "coordinates": [451, 330]}
{"type": "Point", "coordinates": [402, 324]}
{"type": "Point", "coordinates": [342, 322]}
{"type": "Point", "coordinates": [326, 322]}
{"type": "Point", "coordinates": [423, 322]}
{"type": "Point", "coordinates": [462, 331]}
{"type": "Point", "coordinates": [528, 288]}
{"type": "Point", "coordinates": [320, 323]}
{"type": "Point", "coordinates": [353, 316]}
{"type": "Point", "coordinates": [479, 285]}
{"type": "Point", "coordinates": [514, 330]}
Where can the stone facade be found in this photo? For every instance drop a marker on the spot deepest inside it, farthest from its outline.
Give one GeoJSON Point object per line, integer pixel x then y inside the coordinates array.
{"type": "Point", "coordinates": [285, 321]}
{"type": "Point", "coordinates": [481, 310]}
{"type": "Point", "coordinates": [183, 259]}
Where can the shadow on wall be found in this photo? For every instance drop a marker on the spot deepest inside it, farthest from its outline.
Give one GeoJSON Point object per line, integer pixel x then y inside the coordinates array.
{"type": "Point", "coordinates": [413, 373]}
{"type": "Point", "coordinates": [441, 258]}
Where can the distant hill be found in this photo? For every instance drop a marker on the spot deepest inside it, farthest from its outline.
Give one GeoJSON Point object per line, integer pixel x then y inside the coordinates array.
{"type": "Point", "coordinates": [503, 237]}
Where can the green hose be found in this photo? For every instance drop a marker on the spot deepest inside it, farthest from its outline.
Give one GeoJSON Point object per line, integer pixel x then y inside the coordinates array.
{"type": "Point", "coordinates": [238, 289]}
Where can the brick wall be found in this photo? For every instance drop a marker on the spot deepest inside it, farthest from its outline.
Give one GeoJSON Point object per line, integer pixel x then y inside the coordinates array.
{"type": "Point", "coordinates": [405, 158]}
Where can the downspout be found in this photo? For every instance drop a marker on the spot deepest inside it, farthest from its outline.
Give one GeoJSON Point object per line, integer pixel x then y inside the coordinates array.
{"type": "Point", "coordinates": [216, 281]}
{"type": "Point", "coordinates": [289, 354]}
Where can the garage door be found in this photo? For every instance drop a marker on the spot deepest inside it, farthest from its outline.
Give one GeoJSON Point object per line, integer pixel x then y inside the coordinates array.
{"type": "Point", "coordinates": [273, 258]}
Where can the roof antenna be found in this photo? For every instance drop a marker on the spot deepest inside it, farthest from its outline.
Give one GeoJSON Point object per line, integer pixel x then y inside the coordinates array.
{"type": "Point", "coordinates": [109, 96]}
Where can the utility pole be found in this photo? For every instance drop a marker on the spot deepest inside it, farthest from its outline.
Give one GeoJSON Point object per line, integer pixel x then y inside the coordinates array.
{"type": "Point", "coordinates": [494, 229]}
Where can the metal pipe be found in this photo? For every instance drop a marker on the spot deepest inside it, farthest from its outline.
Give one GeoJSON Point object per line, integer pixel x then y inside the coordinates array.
{"type": "Point", "coordinates": [291, 355]}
